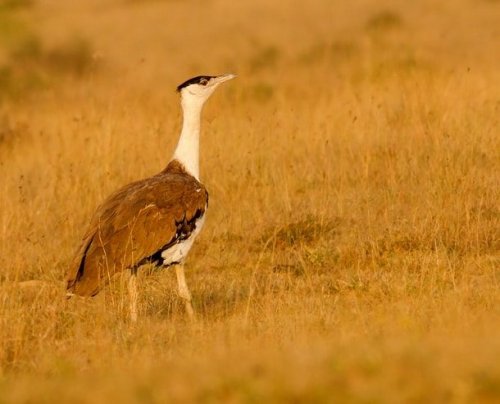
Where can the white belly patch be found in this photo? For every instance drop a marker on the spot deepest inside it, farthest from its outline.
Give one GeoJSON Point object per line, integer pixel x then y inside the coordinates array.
{"type": "Point", "coordinates": [179, 251]}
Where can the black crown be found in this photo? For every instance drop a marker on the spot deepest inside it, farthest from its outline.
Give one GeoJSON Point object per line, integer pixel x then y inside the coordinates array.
{"type": "Point", "coordinates": [194, 80]}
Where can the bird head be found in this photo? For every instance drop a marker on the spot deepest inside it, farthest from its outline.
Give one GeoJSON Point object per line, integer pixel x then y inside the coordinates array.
{"type": "Point", "coordinates": [198, 89]}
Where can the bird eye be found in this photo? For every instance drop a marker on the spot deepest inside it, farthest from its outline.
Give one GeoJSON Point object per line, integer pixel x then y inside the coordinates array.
{"type": "Point", "coordinates": [203, 82]}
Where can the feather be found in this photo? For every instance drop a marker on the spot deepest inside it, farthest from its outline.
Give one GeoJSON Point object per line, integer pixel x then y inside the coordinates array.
{"type": "Point", "coordinates": [135, 224]}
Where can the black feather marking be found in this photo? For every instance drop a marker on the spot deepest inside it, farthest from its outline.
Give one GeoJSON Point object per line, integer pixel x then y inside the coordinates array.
{"type": "Point", "coordinates": [184, 230]}
{"type": "Point", "coordinates": [194, 80]}
{"type": "Point", "coordinates": [81, 268]}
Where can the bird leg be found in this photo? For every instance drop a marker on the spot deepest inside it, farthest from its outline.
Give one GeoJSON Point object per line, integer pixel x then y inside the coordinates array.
{"type": "Point", "coordinates": [132, 291]}
{"type": "Point", "coordinates": [183, 289]}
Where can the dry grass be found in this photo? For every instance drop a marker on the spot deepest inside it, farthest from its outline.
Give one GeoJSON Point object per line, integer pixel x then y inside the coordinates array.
{"type": "Point", "coordinates": [351, 247]}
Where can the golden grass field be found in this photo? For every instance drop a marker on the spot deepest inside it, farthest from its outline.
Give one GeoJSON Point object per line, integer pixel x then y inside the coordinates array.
{"type": "Point", "coordinates": [351, 249]}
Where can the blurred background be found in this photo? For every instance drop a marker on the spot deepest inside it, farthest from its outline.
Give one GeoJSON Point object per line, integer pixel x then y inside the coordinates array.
{"type": "Point", "coordinates": [139, 44]}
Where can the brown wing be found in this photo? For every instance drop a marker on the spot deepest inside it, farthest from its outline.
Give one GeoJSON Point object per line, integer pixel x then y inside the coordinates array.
{"type": "Point", "coordinates": [133, 224]}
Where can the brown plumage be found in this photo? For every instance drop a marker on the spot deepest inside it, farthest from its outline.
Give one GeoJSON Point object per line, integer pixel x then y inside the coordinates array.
{"type": "Point", "coordinates": [135, 224]}
{"type": "Point", "coordinates": [154, 220]}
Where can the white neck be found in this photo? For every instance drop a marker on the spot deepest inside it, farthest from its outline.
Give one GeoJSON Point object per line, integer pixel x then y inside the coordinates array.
{"type": "Point", "coordinates": [188, 148]}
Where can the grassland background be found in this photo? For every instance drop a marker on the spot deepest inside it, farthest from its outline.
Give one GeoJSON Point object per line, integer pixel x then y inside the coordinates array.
{"type": "Point", "coordinates": [351, 247]}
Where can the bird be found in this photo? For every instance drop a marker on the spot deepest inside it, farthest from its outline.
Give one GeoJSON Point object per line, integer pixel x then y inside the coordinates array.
{"type": "Point", "coordinates": [153, 220]}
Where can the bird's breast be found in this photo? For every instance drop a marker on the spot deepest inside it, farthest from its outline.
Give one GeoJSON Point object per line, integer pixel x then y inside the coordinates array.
{"type": "Point", "coordinates": [178, 252]}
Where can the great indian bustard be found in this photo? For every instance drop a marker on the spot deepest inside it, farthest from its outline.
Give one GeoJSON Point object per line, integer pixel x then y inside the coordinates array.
{"type": "Point", "coordinates": [152, 220]}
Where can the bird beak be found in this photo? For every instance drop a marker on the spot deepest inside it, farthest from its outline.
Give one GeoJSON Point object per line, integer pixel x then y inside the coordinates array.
{"type": "Point", "coordinates": [223, 78]}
